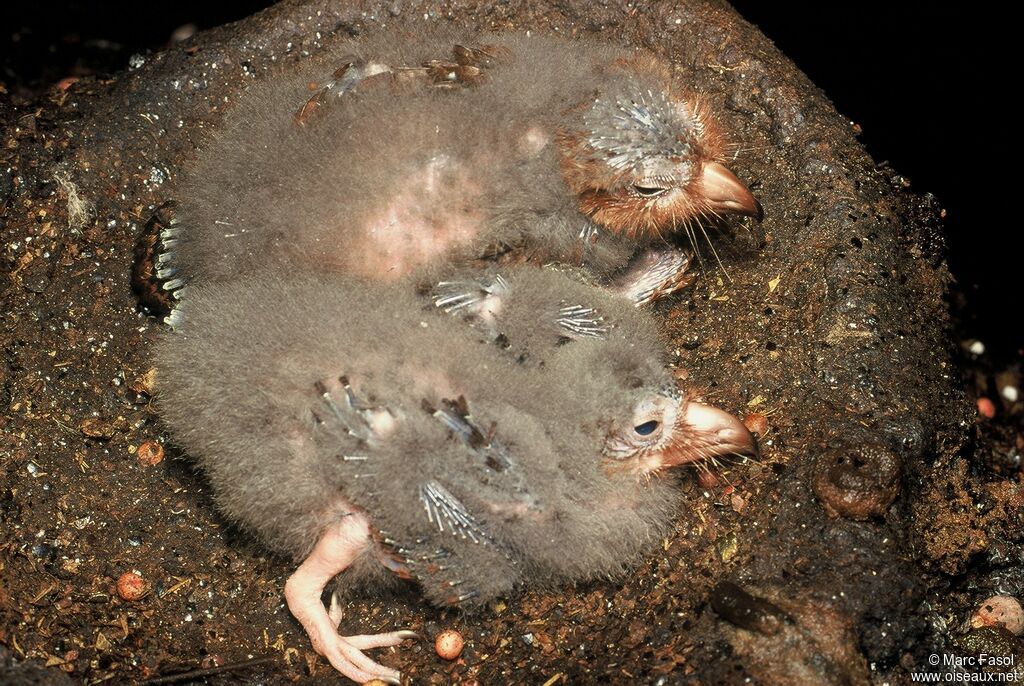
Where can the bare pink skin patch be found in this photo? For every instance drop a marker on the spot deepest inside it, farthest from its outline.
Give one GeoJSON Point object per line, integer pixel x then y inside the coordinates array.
{"type": "Point", "coordinates": [434, 210]}
{"type": "Point", "coordinates": [533, 141]}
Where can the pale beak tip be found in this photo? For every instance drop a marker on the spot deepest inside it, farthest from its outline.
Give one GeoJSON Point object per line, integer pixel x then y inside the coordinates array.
{"type": "Point", "coordinates": [739, 442]}
{"type": "Point", "coordinates": [731, 435]}
{"type": "Point", "coordinates": [726, 194]}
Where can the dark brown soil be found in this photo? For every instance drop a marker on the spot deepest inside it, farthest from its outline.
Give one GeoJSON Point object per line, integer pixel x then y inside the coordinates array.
{"type": "Point", "coordinates": [878, 518]}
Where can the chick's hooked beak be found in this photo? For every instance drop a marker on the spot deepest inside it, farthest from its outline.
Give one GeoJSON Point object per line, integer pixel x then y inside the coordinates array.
{"type": "Point", "coordinates": [713, 432]}
{"type": "Point", "coordinates": [724, 193]}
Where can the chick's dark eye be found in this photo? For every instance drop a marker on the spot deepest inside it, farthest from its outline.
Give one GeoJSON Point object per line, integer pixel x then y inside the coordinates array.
{"type": "Point", "coordinates": [648, 191]}
{"type": "Point", "coordinates": [646, 429]}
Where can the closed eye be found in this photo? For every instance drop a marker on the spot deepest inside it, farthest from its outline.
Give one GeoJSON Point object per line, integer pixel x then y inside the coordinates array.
{"type": "Point", "coordinates": [646, 429]}
{"type": "Point", "coordinates": [648, 191]}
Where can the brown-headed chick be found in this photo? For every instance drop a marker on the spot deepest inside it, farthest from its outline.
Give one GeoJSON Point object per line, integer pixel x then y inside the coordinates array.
{"type": "Point", "coordinates": [576, 152]}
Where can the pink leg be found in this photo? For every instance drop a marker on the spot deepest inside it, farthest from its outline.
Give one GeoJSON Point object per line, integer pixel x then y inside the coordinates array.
{"type": "Point", "coordinates": [334, 552]}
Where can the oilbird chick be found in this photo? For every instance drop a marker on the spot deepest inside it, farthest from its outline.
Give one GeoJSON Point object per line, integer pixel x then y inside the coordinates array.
{"type": "Point", "coordinates": [366, 431]}
{"type": "Point", "coordinates": [575, 152]}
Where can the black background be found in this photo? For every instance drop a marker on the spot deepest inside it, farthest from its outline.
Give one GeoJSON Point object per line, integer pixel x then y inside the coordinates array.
{"type": "Point", "coordinates": [931, 85]}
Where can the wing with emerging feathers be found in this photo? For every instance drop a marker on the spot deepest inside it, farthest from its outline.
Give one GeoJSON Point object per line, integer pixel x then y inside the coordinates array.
{"type": "Point", "coordinates": [465, 68]}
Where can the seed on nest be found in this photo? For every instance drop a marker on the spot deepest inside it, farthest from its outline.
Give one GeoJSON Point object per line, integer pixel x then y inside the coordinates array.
{"type": "Point", "coordinates": [131, 586]}
{"type": "Point", "coordinates": [150, 453]}
{"type": "Point", "coordinates": [707, 479]}
{"type": "Point", "coordinates": [1000, 611]}
{"type": "Point", "coordinates": [986, 408]}
{"type": "Point", "coordinates": [448, 644]}
{"type": "Point", "coordinates": [756, 423]}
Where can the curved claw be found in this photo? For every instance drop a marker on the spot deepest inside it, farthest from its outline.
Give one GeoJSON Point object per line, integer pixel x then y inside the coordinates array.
{"type": "Point", "coordinates": [347, 658]}
{"type": "Point", "coordinates": [385, 640]}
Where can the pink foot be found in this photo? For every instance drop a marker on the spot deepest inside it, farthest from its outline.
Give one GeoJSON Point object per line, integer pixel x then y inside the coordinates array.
{"type": "Point", "coordinates": [334, 552]}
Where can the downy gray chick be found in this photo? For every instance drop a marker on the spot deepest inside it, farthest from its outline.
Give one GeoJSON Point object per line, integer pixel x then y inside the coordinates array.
{"type": "Point", "coordinates": [558, 151]}
{"type": "Point", "coordinates": [369, 434]}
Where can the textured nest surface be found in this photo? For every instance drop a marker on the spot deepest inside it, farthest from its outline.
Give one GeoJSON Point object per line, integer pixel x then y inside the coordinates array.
{"type": "Point", "coordinates": [839, 558]}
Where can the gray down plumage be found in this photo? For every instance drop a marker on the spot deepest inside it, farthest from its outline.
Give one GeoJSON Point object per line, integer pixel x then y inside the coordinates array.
{"type": "Point", "coordinates": [241, 388]}
{"type": "Point", "coordinates": [381, 183]}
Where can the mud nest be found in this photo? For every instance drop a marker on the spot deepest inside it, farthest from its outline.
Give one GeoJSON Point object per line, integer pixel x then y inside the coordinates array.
{"type": "Point", "coordinates": [854, 549]}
